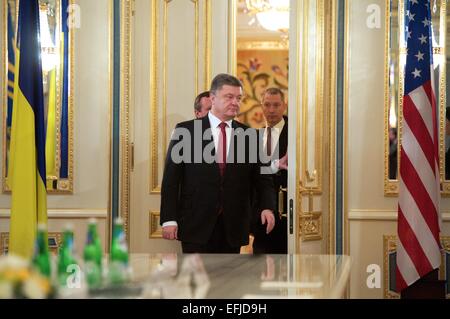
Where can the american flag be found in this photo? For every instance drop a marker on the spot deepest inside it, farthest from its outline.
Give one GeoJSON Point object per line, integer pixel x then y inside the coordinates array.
{"type": "Point", "coordinates": [418, 248]}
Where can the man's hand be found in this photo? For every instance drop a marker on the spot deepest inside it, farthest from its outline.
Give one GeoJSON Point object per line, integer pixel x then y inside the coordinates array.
{"type": "Point", "coordinates": [283, 162]}
{"type": "Point", "coordinates": [267, 216]}
{"type": "Point", "coordinates": [170, 232]}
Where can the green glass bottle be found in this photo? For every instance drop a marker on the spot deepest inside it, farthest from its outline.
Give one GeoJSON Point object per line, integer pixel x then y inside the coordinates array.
{"type": "Point", "coordinates": [118, 266]}
{"type": "Point", "coordinates": [93, 255]}
{"type": "Point", "coordinates": [66, 256]}
{"type": "Point", "coordinates": [41, 257]}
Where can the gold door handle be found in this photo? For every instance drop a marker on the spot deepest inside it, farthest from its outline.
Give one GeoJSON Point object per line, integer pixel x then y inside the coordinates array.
{"type": "Point", "coordinates": [281, 205]}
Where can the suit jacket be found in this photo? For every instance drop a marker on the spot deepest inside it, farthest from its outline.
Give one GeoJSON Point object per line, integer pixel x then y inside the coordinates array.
{"type": "Point", "coordinates": [276, 241]}
{"type": "Point", "coordinates": [193, 192]}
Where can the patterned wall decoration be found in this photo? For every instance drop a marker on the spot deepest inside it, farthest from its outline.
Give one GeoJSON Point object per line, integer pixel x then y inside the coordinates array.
{"type": "Point", "coordinates": [390, 254]}
{"type": "Point", "coordinates": [258, 70]}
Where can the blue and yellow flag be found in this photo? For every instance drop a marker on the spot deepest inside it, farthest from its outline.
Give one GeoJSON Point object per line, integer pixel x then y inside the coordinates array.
{"type": "Point", "coordinates": [27, 166]}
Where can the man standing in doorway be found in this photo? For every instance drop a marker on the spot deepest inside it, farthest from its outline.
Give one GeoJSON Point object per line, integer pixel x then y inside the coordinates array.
{"type": "Point", "coordinates": [207, 204]}
{"type": "Point", "coordinates": [275, 144]}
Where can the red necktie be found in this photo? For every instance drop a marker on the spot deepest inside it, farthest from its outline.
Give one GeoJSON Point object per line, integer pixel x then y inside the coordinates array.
{"type": "Point", "coordinates": [269, 141]}
{"type": "Point", "coordinates": [222, 148]}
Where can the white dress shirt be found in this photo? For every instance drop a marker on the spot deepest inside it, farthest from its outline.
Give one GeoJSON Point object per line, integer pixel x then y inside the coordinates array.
{"type": "Point", "coordinates": [215, 130]}
{"type": "Point", "coordinates": [275, 133]}
{"type": "Point", "coordinates": [214, 122]}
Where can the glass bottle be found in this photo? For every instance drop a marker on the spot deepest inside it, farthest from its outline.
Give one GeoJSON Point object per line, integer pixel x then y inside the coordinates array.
{"type": "Point", "coordinates": [66, 261]}
{"type": "Point", "coordinates": [118, 266]}
{"type": "Point", "coordinates": [41, 257]}
{"type": "Point", "coordinates": [93, 255]}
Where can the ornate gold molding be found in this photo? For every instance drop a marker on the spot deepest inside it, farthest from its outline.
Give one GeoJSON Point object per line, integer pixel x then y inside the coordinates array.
{"type": "Point", "coordinates": [319, 96]}
{"type": "Point", "coordinates": [207, 38]}
{"type": "Point", "coordinates": [443, 99]}
{"type": "Point", "coordinates": [389, 246]}
{"type": "Point", "coordinates": [155, 188]}
{"type": "Point", "coordinates": [232, 43]}
{"type": "Point", "coordinates": [262, 45]}
{"type": "Point", "coordinates": [63, 186]}
{"type": "Point", "coordinates": [110, 115]}
{"type": "Point", "coordinates": [310, 226]}
{"type": "Point", "coordinates": [330, 102]}
{"type": "Point", "coordinates": [196, 14]}
{"type": "Point", "coordinates": [71, 107]}
{"type": "Point", "coordinates": [319, 110]}
{"type": "Point", "coordinates": [345, 231]}
{"type": "Point", "coordinates": [391, 186]}
{"type": "Point", "coordinates": [126, 44]}
{"type": "Point", "coordinates": [298, 176]}
{"type": "Point", "coordinates": [309, 222]}
{"type": "Point", "coordinates": [155, 230]}
{"type": "Point", "coordinates": [154, 70]}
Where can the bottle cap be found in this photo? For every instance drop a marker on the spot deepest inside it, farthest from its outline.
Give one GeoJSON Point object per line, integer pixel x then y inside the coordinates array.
{"type": "Point", "coordinates": [42, 226]}
{"type": "Point", "coordinates": [119, 220]}
{"type": "Point", "coordinates": [68, 227]}
{"type": "Point", "coordinates": [92, 220]}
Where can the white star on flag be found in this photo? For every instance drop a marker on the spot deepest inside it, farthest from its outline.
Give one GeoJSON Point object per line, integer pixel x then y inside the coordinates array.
{"type": "Point", "coordinates": [419, 56]}
{"type": "Point", "coordinates": [411, 16]}
{"type": "Point", "coordinates": [409, 35]}
{"type": "Point", "coordinates": [416, 73]}
{"type": "Point", "coordinates": [413, 2]}
{"type": "Point", "coordinates": [426, 22]}
{"type": "Point", "coordinates": [423, 39]}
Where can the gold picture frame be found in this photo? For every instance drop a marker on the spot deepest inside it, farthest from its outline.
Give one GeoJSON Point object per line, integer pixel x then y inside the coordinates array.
{"type": "Point", "coordinates": [55, 182]}
{"type": "Point", "coordinates": [393, 80]}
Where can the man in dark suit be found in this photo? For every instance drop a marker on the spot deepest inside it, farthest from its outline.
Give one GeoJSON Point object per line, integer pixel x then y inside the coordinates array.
{"type": "Point", "coordinates": [210, 175]}
{"type": "Point", "coordinates": [275, 145]}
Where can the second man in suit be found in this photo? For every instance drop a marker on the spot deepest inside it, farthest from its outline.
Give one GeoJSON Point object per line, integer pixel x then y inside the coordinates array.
{"type": "Point", "coordinates": [202, 104]}
{"type": "Point", "coordinates": [275, 145]}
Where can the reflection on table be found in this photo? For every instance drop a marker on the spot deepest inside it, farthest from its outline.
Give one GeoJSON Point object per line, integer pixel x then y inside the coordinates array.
{"type": "Point", "coordinates": [240, 276]}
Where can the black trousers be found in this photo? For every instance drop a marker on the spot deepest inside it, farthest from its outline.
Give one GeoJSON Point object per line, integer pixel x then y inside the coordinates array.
{"type": "Point", "coordinates": [273, 243]}
{"type": "Point", "coordinates": [217, 244]}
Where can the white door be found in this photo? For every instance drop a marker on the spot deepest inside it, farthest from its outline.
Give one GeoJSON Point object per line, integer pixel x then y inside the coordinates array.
{"type": "Point", "coordinates": [172, 61]}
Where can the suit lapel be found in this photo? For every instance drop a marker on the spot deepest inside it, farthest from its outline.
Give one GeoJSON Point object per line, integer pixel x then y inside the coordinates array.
{"type": "Point", "coordinates": [282, 141]}
{"type": "Point", "coordinates": [281, 146]}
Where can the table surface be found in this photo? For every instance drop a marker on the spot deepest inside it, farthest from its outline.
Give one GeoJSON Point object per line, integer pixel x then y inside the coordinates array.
{"type": "Point", "coordinates": [240, 276]}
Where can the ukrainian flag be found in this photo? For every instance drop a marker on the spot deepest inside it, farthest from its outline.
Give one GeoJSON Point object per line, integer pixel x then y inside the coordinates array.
{"type": "Point", "coordinates": [27, 167]}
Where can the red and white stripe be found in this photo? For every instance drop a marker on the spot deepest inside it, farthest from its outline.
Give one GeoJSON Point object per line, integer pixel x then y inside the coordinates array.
{"type": "Point", "coordinates": [418, 249]}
